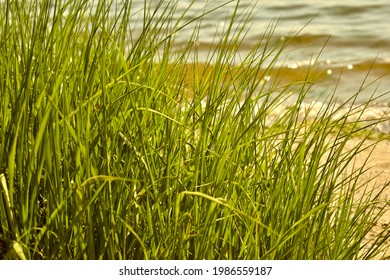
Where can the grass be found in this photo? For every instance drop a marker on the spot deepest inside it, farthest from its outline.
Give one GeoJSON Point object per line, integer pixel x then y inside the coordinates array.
{"type": "Point", "coordinates": [119, 145]}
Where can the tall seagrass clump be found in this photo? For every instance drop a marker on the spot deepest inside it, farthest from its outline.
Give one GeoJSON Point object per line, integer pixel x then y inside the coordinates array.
{"type": "Point", "coordinates": [116, 142]}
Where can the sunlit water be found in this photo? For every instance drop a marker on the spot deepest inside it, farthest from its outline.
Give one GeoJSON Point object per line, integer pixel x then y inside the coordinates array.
{"type": "Point", "coordinates": [355, 33]}
{"type": "Point", "coordinates": [349, 39]}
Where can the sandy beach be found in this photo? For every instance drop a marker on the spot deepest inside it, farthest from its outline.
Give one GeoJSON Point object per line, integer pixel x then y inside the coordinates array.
{"type": "Point", "coordinates": [379, 170]}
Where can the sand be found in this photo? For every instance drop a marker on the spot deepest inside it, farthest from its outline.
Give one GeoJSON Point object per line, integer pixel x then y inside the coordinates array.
{"type": "Point", "coordinates": [379, 164]}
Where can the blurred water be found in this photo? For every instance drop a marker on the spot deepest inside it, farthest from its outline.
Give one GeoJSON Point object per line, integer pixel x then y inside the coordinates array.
{"type": "Point", "coordinates": [359, 29]}
{"type": "Point", "coordinates": [356, 34]}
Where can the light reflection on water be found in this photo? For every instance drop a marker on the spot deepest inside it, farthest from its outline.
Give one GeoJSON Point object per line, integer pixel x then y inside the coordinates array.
{"type": "Point", "coordinates": [356, 33]}
{"type": "Point", "coordinates": [360, 27]}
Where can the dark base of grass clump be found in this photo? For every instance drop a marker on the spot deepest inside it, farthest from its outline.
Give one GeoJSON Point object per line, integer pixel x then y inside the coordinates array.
{"type": "Point", "coordinates": [114, 146]}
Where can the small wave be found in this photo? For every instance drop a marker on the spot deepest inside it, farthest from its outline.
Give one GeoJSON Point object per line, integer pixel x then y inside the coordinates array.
{"type": "Point", "coordinates": [282, 8]}
{"type": "Point", "coordinates": [334, 41]}
{"type": "Point", "coordinates": [375, 117]}
{"type": "Point", "coordinates": [348, 10]}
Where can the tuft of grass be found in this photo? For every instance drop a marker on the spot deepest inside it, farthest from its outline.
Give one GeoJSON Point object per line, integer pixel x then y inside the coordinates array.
{"type": "Point", "coordinates": [118, 144]}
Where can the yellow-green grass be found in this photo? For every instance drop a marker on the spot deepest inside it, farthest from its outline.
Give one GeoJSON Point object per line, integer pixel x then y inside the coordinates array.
{"type": "Point", "coordinates": [119, 146]}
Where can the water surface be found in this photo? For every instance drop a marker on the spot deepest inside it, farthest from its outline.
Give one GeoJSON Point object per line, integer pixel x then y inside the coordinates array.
{"type": "Point", "coordinates": [356, 35]}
